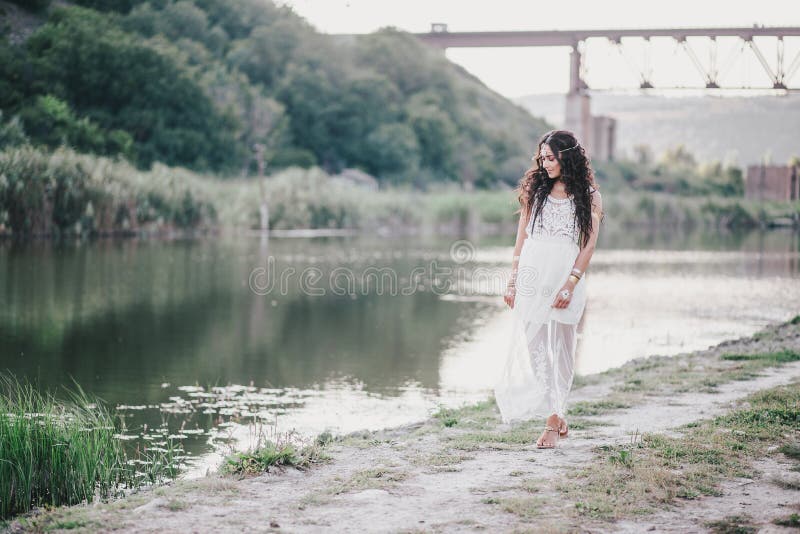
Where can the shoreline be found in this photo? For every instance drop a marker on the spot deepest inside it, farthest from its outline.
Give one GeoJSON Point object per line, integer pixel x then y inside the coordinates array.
{"type": "Point", "coordinates": [454, 228]}
{"type": "Point", "coordinates": [464, 470]}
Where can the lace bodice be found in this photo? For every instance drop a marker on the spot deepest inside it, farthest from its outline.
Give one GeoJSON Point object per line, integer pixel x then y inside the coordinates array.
{"type": "Point", "coordinates": [557, 220]}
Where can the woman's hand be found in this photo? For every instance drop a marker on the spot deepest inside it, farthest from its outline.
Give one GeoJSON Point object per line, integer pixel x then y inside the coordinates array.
{"type": "Point", "coordinates": [561, 301]}
{"type": "Point", "coordinates": [511, 292]}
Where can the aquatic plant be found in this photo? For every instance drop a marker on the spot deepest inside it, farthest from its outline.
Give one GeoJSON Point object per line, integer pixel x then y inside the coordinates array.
{"type": "Point", "coordinates": [55, 452]}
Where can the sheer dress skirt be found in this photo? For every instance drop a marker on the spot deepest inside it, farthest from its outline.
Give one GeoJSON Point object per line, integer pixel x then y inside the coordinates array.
{"type": "Point", "coordinates": [540, 357]}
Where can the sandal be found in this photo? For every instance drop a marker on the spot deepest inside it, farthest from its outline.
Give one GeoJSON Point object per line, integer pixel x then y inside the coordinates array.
{"type": "Point", "coordinates": [541, 445]}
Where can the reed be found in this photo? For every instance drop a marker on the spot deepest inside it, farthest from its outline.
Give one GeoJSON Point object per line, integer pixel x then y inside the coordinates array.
{"type": "Point", "coordinates": [65, 452]}
{"type": "Point", "coordinates": [62, 192]}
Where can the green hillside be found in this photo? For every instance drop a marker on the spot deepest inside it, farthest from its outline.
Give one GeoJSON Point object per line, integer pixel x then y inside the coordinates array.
{"type": "Point", "coordinates": [198, 83]}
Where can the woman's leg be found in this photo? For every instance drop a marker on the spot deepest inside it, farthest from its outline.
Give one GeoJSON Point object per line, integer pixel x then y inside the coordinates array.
{"type": "Point", "coordinates": [552, 349]}
{"type": "Point", "coordinates": [564, 339]}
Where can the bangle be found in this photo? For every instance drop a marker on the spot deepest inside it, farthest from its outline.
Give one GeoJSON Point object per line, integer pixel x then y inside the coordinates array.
{"type": "Point", "coordinates": [577, 272]}
{"type": "Point", "coordinates": [577, 278]}
{"type": "Point", "coordinates": [516, 258]}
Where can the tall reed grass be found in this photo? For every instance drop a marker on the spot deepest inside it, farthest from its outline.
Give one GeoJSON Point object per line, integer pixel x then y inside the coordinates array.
{"type": "Point", "coordinates": [665, 210]}
{"type": "Point", "coordinates": [62, 453]}
{"type": "Point", "coordinates": [63, 192]}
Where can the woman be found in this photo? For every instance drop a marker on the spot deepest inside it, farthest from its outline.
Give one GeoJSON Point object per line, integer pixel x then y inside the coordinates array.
{"type": "Point", "coordinates": [560, 214]}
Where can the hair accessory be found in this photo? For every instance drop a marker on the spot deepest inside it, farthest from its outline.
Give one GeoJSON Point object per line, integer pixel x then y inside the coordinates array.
{"type": "Point", "coordinates": [570, 148]}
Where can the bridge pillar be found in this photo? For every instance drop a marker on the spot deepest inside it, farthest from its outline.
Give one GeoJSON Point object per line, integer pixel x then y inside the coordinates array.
{"type": "Point", "coordinates": [577, 115]}
{"type": "Point", "coordinates": [596, 134]}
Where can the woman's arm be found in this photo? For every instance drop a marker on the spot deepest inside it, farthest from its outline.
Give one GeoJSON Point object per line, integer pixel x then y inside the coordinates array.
{"type": "Point", "coordinates": [521, 236]}
{"type": "Point", "coordinates": [585, 254]}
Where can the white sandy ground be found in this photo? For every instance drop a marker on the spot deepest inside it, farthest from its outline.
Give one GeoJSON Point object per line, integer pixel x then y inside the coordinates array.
{"type": "Point", "coordinates": [452, 498]}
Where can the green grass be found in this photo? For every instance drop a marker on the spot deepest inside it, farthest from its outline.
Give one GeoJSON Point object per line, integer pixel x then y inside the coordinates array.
{"type": "Point", "coordinates": [792, 450]}
{"type": "Point", "coordinates": [737, 524]}
{"type": "Point", "coordinates": [480, 415]}
{"type": "Point", "coordinates": [655, 470]}
{"type": "Point", "coordinates": [664, 375]}
{"type": "Point", "coordinates": [55, 453]}
{"type": "Point", "coordinates": [783, 356]}
{"type": "Point", "coordinates": [383, 477]}
{"type": "Point", "coordinates": [270, 455]}
{"type": "Point", "coordinates": [373, 478]}
{"type": "Point", "coordinates": [792, 521]}
{"type": "Point", "coordinates": [586, 408]}
{"type": "Point", "coordinates": [441, 459]}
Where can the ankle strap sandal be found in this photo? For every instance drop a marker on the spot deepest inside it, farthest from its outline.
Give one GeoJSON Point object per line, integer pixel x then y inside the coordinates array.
{"type": "Point", "coordinates": [547, 428]}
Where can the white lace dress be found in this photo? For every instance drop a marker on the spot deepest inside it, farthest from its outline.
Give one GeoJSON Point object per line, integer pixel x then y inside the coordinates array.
{"type": "Point", "coordinates": [539, 368]}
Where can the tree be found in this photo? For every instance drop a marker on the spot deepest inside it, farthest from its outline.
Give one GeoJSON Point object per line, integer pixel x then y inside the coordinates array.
{"type": "Point", "coordinates": [120, 83]}
{"type": "Point", "coordinates": [436, 133]}
{"type": "Point", "coordinates": [52, 122]}
{"type": "Point", "coordinates": [264, 54]}
{"type": "Point", "coordinates": [394, 151]}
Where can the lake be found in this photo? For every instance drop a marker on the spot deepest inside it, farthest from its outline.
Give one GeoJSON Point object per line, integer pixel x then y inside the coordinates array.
{"type": "Point", "coordinates": [197, 337]}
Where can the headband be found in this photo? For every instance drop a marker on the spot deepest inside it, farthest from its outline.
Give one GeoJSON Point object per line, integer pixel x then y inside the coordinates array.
{"type": "Point", "coordinates": [570, 148]}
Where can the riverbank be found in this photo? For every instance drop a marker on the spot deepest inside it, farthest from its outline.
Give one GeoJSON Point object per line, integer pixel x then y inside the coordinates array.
{"type": "Point", "coordinates": [662, 443]}
{"type": "Point", "coordinates": [63, 193]}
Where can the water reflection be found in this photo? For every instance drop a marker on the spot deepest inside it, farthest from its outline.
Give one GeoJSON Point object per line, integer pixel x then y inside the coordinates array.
{"type": "Point", "coordinates": [158, 327]}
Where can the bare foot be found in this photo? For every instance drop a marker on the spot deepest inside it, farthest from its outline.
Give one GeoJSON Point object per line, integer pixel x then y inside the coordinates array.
{"type": "Point", "coordinates": [549, 437]}
{"type": "Point", "coordinates": [563, 428]}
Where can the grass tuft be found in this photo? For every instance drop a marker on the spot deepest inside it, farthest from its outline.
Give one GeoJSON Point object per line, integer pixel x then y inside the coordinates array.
{"type": "Point", "coordinates": [587, 408]}
{"type": "Point", "coordinates": [736, 524]}
{"type": "Point", "coordinates": [792, 521]}
{"type": "Point", "coordinates": [270, 454]}
{"type": "Point", "coordinates": [55, 453]}
{"type": "Point", "coordinates": [792, 450]}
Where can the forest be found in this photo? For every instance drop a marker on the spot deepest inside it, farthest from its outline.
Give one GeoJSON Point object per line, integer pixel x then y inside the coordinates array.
{"type": "Point", "coordinates": [200, 83]}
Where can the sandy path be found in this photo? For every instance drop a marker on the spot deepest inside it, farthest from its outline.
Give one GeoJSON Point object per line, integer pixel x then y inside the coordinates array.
{"type": "Point", "coordinates": [414, 493]}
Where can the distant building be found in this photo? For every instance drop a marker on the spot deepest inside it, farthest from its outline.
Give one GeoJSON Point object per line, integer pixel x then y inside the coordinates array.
{"type": "Point", "coordinates": [772, 182]}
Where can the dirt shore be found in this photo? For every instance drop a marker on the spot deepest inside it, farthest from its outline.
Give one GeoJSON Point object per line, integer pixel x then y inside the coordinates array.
{"type": "Point", "coordinates": [464, 470]}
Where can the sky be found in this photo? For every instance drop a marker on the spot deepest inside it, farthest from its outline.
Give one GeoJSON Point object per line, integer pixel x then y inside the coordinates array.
{"type": "Point", "coordinates": [515, 72]}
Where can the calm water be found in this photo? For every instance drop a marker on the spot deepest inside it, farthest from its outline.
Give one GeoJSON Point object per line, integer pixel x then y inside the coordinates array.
{"type": "Point", "coordinates": [190, 338]}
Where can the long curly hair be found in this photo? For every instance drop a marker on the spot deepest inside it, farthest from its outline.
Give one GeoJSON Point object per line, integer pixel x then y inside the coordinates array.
{"type": "Point", "coordinates": [576, 172]}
